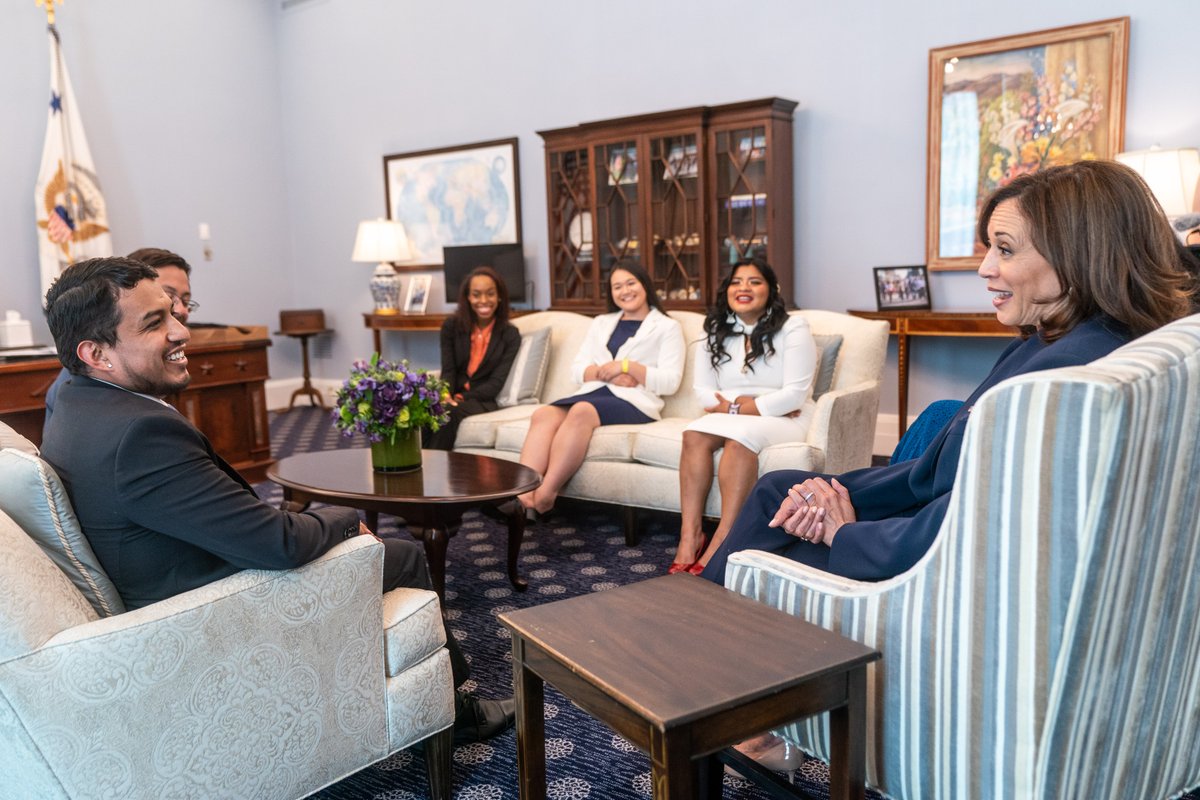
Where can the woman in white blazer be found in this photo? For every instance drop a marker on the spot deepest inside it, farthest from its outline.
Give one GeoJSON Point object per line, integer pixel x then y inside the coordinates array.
{"type": "Point", "coordinates": [629, 358]}
{"type": "Point", "coordinates": [752, 377]}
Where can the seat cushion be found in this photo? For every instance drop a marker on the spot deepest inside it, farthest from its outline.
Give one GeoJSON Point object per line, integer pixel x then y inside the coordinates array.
{"type": "Point", "coordinates": [412, 628]}
{"type": "Point", "coordinates": [32, 494]}
{"type": "Point", "coordinates": [36, 599]}
{"type": "Point", "coordinates": [479, 430]}
{"type": "Point", "coordinates": [609, 442]}
{"type": "Point", "coordinates": [528, 373]}
{"type": "Point", "coordinates": [660, 443]}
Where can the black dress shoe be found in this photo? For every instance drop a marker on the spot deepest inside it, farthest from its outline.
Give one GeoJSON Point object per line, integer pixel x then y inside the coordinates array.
{"type": "Point", "coordinates": [502, 512]}
{"type": "Point", "coordinates": [476, 719]}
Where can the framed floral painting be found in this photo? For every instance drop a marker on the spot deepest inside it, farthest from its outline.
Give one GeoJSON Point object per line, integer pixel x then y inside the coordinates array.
{"type": "Point", "coordinates": [1005, 107]}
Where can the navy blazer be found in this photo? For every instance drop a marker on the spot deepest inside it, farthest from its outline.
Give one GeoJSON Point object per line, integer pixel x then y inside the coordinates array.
{"type": "Point", "coordinates": [162, 511]}
{"type": "Point", "coordinates": [492, 372]}
{"type": "Point", "coordinates": [900, 508]}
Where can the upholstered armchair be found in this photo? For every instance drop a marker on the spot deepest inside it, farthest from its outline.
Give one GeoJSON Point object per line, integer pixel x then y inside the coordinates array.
{"type": "Point", "coordinates": [264, 684]}
{"type": "Point", "coordinates": [1047, 645]}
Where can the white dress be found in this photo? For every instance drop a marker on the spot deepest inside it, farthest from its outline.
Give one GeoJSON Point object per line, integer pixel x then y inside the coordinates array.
{"type": "Point", "coordinates": [779, 383]}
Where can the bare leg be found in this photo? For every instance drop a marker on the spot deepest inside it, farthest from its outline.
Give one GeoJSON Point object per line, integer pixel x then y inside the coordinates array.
{"type": "Point", "coordinates": [566, 453]}
{"type": "Point", "coordinates": [695, 479]}
{"type": "Point", "coordinates": [735, 477]}
{"type": "Point", "coordinates": [535, 452]}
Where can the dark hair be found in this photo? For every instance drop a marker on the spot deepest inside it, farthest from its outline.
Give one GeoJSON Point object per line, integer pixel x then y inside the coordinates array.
{"type": "Point", "coordinates": [718, 327]}
{"type": "Point", "coordinates": [638, 271]}
{"type": "Point", "coordinates": [1100, 228]}
{"type": "Point", "coordinates": [465, 314]}
{"type": "Point", "coordinates": [82, 304]}
{"type": "Point", "coordinates": [157, 257]}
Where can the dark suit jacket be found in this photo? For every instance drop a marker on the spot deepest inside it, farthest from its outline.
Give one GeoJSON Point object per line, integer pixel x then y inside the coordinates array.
{"type": "Point", "coordinates": [162, 511]}
{"type": "Point", "coordinates": [493, 370]}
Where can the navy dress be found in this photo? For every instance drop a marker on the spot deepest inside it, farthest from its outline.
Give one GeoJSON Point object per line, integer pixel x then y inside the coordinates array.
{"type": "Point", "coordinates": [900, 508]}
{"type": "Point", "coordinates": [612, 409]}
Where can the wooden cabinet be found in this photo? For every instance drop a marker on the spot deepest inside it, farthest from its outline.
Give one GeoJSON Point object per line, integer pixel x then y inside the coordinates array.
{"type": "Point", "coordinates": [685, 193]}
{"type": "Point", "coordinates": [226, 398]}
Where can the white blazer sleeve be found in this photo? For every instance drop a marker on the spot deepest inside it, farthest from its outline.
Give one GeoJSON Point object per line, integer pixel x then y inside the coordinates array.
{"type": "Point", "coordinates": [586, 356]}
{"type": "Point", "coordinates": [704, 377]}
{"type": "Point", "coordinates": [662, 377]}
{"type": "Point", "coordinates": [799, 367]}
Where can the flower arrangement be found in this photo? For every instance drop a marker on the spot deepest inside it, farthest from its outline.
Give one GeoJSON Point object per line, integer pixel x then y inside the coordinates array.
{"type": "Point", "coordinates": [382, 399]}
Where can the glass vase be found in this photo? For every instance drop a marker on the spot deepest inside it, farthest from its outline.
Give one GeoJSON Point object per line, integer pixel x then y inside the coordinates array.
{"type": "Point", "coordinates": [399, 454]}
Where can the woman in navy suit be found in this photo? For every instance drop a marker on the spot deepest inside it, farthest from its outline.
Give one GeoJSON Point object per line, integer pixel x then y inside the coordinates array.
{"type": "Point", "coordinates": [1082, 260]}
{"type": "Point", "coordinates": [479, 345]}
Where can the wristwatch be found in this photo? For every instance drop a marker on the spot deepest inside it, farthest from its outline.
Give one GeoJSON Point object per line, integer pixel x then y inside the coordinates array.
{"type": "Point", "coordinates": [735, 408]}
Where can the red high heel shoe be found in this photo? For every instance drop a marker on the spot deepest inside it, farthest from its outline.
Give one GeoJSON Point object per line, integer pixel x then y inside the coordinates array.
{"type": "Point", "coordinates": [686, 566]}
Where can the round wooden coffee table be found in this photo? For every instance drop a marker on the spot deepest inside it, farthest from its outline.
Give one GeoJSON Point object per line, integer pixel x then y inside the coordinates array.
{"type": "Point", "coordinates": [431, 499]}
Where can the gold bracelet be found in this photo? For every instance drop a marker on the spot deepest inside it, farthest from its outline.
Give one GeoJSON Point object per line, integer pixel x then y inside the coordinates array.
{"type": "Point", "coordinates": [625, 365]}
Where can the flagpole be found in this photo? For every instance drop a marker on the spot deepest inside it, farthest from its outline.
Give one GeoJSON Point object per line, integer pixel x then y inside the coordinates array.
{"type": "Point", "coordinates": [68, 162]}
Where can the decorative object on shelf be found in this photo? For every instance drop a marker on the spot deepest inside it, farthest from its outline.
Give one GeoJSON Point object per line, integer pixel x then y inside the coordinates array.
{"type": "Point", "coordinates": [1013, 105]}
{"type": "Point", "coordinates": [418, 294]}
{"type": "Point", "coordinates": [1174, 177]}
{"type": "Point", "coordinates": [470, 194]}
{"type": "Point", "coordinates": [390, 403]}
{"type": "Point", "coordinates": [382, 241]}
{"type": "Point", "coordinates": [901, 287]}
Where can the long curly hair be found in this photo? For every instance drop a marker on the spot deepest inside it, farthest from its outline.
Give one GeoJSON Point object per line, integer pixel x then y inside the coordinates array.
{"type": "Point", "coordinates": [718, 325]}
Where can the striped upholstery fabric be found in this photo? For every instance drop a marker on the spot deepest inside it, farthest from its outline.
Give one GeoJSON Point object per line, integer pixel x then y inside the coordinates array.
{"type": "Point", "coordinates": [1048, 645]}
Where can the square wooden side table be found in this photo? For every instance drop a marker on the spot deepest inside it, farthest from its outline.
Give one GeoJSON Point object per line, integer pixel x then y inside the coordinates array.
{"type": "Point", "coordinates": [684, 668]}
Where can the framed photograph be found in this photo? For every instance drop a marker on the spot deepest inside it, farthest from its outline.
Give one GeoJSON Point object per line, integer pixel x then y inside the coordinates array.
{"type": "Point", "coordinates": [901, 287]}
{"type": "Point", "coordinates": [462, 195]}
{"type": "Point", "coordinates": [1005, 107]}
{"type": "Point", "coordinates": [418, 294]}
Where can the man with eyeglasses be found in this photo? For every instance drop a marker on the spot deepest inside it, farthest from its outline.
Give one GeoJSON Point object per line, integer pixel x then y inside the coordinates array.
{"type": "Point", "coordinates": [174, 276]}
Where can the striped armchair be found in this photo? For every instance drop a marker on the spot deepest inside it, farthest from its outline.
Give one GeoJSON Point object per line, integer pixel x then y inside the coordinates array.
{"type": "Point", "coordinates": [1048, 645]}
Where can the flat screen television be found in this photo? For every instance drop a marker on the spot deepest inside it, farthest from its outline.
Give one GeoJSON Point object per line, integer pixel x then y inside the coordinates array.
{"type": "Point", "coordinates": [507, 259]}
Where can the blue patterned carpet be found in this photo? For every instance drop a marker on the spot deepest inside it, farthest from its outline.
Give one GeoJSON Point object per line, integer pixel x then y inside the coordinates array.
{"type": "Point", "coordinates": [579, 548]}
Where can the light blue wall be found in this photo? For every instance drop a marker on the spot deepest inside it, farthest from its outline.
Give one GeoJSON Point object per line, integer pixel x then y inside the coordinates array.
{"type": "Point", "coordinates": [271, 125]}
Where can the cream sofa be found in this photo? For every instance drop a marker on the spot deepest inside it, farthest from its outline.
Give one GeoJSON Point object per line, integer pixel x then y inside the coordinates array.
{"type": "Point", "coordinates": [636, 466]}
{"type": "Point", "coordinates": [266, 684]}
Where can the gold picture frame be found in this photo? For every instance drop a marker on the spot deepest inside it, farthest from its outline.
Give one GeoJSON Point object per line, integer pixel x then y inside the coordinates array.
{"type": "Point", "coordinates": [1002, 107]}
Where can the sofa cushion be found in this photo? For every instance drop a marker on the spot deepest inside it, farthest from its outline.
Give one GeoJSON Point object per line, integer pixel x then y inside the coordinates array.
{"type": "Point", "coordinates": [36, 599]}
{"type": "Point", "coordinates": [479, 430]}
{"type": "Point", "coordinates": [412, 628]}
{"type": "Point", "coordinates": [660, 443]}
{"type": "Point", "coordinates": [32, 494]}
{"type": "Point", "coordinates": [528, 373]}
{"type": "Point", "coordinates": [10, 438]}
{"type": "Point", "coordinates": [609, 442]}
{"type": "Point", "coordinates": [828, 346]}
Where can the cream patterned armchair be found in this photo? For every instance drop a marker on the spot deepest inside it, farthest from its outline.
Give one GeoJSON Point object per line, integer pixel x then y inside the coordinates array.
{"type": "Point", "coordinates": [264, 684]}
{"type": "Point", "coordinates": [1047, 645]}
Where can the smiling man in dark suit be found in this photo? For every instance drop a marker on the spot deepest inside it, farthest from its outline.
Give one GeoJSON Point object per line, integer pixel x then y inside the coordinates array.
{"type": "Point", "coordinates": [162, 511]}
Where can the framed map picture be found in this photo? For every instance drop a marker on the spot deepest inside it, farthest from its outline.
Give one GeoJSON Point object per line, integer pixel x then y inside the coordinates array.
{"type": "Point", "coordinates": [462, 195]}
{"type": "Point", "coordinates": [1005, 107]}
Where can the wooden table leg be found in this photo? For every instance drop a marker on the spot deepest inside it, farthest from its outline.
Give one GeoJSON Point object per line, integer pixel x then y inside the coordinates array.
{"type": "Point", "coordinates": [372, 521]}
{"type": "Point", "coordinates": [531, 727]}
{"type": "Point", "coordinates": [672, 771]}
{"type": "Point", "coordinates": [902, 378]}
{"type": "Point", "coordinates": [435, 540]}
{"type": "Point", "coordinates": [516, 535]}
{"type": "Point", "coordinates": [848, 740]}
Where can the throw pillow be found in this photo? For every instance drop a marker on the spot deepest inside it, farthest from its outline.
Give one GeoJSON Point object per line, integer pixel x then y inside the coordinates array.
{"type": "Point", "coordinates": [33, 495]}
{"type": "Point", "coordinates": [828, 346]}
{"type": "Point", "coordinates": [528, 373]}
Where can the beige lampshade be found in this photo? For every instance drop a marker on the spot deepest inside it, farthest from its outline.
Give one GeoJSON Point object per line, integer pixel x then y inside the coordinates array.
{"type": "Point", "coordinates": [380, 240]}
{"type": "Point", "coordinates": [1171, 174]}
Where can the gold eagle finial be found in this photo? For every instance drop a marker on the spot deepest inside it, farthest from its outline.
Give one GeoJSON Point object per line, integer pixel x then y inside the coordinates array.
{"type": "Point", "coordinates": [49, 4]}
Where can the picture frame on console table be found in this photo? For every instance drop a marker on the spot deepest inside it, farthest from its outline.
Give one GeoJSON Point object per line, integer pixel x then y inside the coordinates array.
{"type": "Point", "coordinates": [898, 288]}
{"type": "Point", "coordinates": [418, 294]}
{"type": "Point", "coordinates": [464, 195]}
{"type": "Point", "coordinates": [1003, 107]}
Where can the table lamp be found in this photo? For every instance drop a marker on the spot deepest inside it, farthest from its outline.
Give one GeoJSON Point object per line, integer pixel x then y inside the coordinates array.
{"type": "Point", "coordinates": [1172, 175]}
{"type": "Point", "coordinates": [382, 241]}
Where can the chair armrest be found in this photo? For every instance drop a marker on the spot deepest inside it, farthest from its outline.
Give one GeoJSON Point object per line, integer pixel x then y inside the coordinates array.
{"type": "Point", "coordinates": [843, 426]}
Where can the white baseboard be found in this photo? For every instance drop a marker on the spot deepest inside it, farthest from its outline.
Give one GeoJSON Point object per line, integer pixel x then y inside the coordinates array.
{"type": "Point", "coordinates": [886, 434]}
{"type": "Point", "coordinates": [279, 392]}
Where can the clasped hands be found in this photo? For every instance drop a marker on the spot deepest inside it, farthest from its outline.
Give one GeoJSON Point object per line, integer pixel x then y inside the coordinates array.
{"type": "Point", "coordinates": [814, 511]}
{"type": "Point", "coordinates": [611, 372]}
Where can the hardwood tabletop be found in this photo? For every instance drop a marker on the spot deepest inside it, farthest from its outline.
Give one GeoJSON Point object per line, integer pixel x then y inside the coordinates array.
{"type": "Point", "coordinates": [648, 644]}
{"type": "Point", "coordinates": [444, 477]}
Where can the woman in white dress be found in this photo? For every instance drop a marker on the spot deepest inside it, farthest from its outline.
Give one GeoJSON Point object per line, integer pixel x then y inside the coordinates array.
{"type": "Point", "coordinates": [752, 378]}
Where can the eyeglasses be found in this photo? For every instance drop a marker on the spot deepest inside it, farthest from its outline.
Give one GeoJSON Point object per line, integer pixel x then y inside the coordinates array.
{"type": "Point", "coordinates": [190, 305]}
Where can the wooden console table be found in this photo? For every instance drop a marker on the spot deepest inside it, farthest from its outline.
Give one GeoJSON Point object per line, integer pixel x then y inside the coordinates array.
{"type": "Point", "coordinates": [932, 323]}
{"type": "Point", "coordinates": [378, 323]}
{"type": "Point", "coordinates": [226, 398]}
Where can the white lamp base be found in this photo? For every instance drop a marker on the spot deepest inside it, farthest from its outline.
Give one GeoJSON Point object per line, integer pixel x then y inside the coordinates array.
{"type": "Point", "coordinates": [385, 289]}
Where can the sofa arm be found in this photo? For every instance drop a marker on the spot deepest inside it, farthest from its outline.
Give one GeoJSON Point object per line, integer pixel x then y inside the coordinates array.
{"type": "Point", "coordinates": [262, 680]}
{"type": "Point", "coordinates": [843, 426]}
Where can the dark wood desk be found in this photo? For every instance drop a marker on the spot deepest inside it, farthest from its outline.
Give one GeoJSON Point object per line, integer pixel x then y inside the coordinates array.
{"type": "Point", "coordinates": [932, 323]}
{"type": "Point", "coordinates": [226, 398]}
{"type": "Point", "coordinates": [683, 669]}
{"type": "Point", "coordinates": [431, 499]}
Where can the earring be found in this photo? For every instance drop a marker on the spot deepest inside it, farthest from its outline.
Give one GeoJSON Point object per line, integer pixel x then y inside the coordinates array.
{"type": "Point", "coordinates": [108, 364]}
